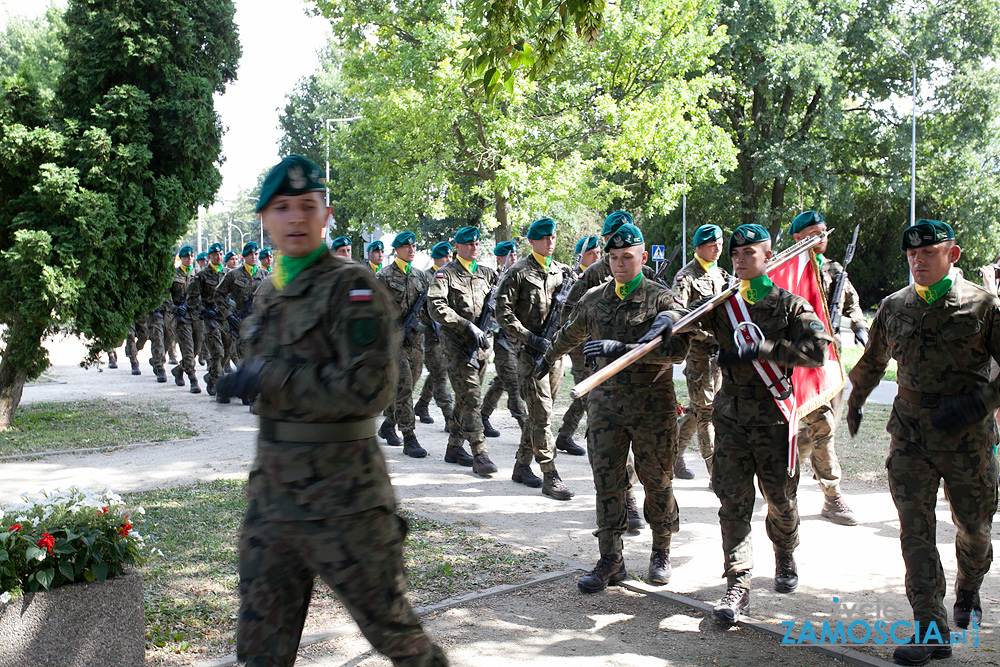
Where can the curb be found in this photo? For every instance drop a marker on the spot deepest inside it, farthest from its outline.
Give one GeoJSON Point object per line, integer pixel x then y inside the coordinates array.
{"type": "Point", "coordinates": [105, 448]}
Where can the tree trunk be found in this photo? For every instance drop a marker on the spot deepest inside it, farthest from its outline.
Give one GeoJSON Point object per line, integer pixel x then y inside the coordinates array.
{"type": "Point", "coordinates": [12, 379]}
{"type": "Point", "coordinates": [502, 232]}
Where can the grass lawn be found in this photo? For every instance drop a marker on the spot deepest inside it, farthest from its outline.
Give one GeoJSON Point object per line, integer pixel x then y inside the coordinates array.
{"type": "Point", "coordinates": [47, 427]}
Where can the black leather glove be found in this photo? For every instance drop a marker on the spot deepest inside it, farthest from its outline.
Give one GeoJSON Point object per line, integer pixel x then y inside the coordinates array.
{"type": "Point", "coordinates": [243, 382]}
{"type": "Point", "coordinates": [959, 412]}
{"type": "Point", "coordinates": [662, 326]}
{"type": "Point", "coordinates": [854, 416]}
{"type": "Point", "coordinates": [481, 337]}
{"type": "Point", "coordinates": [611, 349]}
{"type": "Point", "coordinates": [542, 368]}
{"type": "Point", "coordinates": [861, 337]}
{"type": "Point", "coordinates": [736, 356]}
{"type": "Point", "coordinates": [234, 322]}
{"type": "Point", "coordinates": [181, 310]}
{"type": "Point", "coordinates": [210, 314]}
{"type": "Point", "coordinates": [538, 343]}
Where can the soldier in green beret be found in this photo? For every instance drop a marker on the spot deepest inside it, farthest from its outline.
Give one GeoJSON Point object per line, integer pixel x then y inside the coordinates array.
{"type": "Point", "coordinates": [406, 286]}
{"type": "Point", "coordinates": [701, 277]}
{"type": "Point", "coordinates": [523, 302]}
{"type": "Point", "coordinates": [504, 361]}
{"type": "Point", "coordinates": [943, 331]}
{"type": "Point", "coordinates": [201, 300]}
{"type": "Point", "coordinates": [436, 384]}
{"type": "Point", "coordinates": [341, 247]}
{"type": "Point", "coordinates": [266, 259]}
{"type": "Point", "coordinates": [231, 261]}
{"type": "Point", "coordinates": [183, 275]}
{"type": "Point", "coordinates": [201, 260]}
{"type": "Point", "coordinates": [376, 253]}
{"type": "Point", "coordinates": [635, 410]}
{"type": "Point", "coordinates": [323, 356]}
{"type": "Point", "coordinates": [456, 300]}
{"type": "Point", "coordinates": [239, 287]}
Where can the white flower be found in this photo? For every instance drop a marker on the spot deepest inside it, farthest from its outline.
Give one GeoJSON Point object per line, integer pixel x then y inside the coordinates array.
{"type": "Point", "coordinates": [41, 556]}
{"type": "Point", "coordinates": [140, 511]}
{"type": "Point", "coordinates": [4, 597]}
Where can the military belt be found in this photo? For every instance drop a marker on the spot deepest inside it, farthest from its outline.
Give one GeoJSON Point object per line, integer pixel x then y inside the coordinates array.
{"type": "Point", "coordinates": [746, 392]}
{"type": "Point", "coordinates": [627, 377]}
{"type": "Point", "coordinates": [918, 398]}
{"type": "Point", "coordinates": [278, 431]}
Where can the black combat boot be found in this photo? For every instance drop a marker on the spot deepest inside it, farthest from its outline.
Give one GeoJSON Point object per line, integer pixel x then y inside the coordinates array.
{"type": "Point", "coordinates": [457, 454]}
{"type": "Point", "coordinates": [659, 567]}
{"type": "Point", "coordinates": [524, 475]}
{"type": "Point", "coordinates": [387, 431]}
{"type": "Point", "coordinates": [246, 401]}
{"type": "Point", "coordinates": [610, 569]}
{"type": "Point", "coordinates": [161, 374]}
{"type": "Point", "coordinates": [681, 470]}
{"type": "Point", "coordinates": [912, 654]}
{"type": "Point", "coordinates": [209, 385]}
{"type": "Point", "coordinates": [420, 411]}
{"type": "Point", "coordinates": [135, 367]}
{"type": "Point", "coordinates": [635, 522]}
{"type": "Point", "coordinates": [552, 485]}
{"type": "Point", "coordinates": [112, 360]}
{"type": "Point", "coordinates": [178, 374]}
{"type": "Point", "coordinates": [220, 399]}
{"type": "Point", "coordinates": [733, 603]}
{"type": "Point", "coordinates": [967, 608]}
{"type": "Point", "coordinates": [412, 448]}
{"type": "Point", "coordinates": [195, 389]}
{"type": "Point", "coordinates": [786, 576]}
{"type": "Point", "coordinates": [567, 445]}
{"type": "Point", "coordinates": [482, 466]}
{"type": "Point", "coordinates": [488, 429]}
{"type": "Point", "coordinates": [837, 511]}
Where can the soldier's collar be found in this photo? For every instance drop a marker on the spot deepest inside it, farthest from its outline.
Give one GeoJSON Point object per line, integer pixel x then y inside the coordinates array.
{"type": "Point", "coordinates": [706, 266]}
{"type": "Point", "coordinates": [544, 262]}
{"type": "Point", "coordinates": [469, 264]}
{"type": "Point", "coordinates": [403, 266]}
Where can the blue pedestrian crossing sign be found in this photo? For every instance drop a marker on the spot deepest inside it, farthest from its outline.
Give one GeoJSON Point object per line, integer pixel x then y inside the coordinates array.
{"type": "Point", "coordinates": [658, 254]}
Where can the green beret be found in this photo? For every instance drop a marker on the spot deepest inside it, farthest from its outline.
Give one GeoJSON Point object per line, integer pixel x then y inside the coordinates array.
{"type": "Point", "coordinates": [504, 248]}
{"type": "Point", "coordinates": [541, 228]}
{"type": "Point", "coordinates": [747, 235]}
{"type": "Point", "coordinates": [926, 232]}
{"type": "Point", "coordinates": [295, 175]}
{"type": "Point", "coordinates": [185, 251]}
{"type": "Point", "coordinates": [376, 245]}
{"type": "Point", "coordinates": [805, 219]}
{"type": "Point", "coordinates": [706, 234]}
{"type": "Point", "coordinates": [404, 238]}
{"type": "Point", "coordinates": [440, 250]}
{"type": "Point", "coordinates": [265, 253]}
{"type": "Point", "coordinates": [229, 255]}
{"type": "Point", "coordinates": [467, 235]}
{"type": "Point", "coordinates": [201, 256]}
{"type": "Point", "coordinates": [585, 244]}
{"type": "Point", "coordinates": [215, 247]}
{"type": "Point", "coordinates": [340, 241]}
{"type": "Point", "coordinates": [249, 248]}
{"type": "Point", "coordinates": [614, 221]}
{"type": "Point", "coordinates": [626, 236]}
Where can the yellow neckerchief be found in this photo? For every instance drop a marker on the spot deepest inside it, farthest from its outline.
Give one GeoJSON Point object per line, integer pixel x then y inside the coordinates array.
{"type": "Point", "coordinates": [187, 269]}
{"type": "Point", "coordinates": [375, 267]}
{"type": "Point", "coordinates": [252, 270]}
{"type": "Point", "coordinates": [217, 267]}
{"type": "Point", "coordinates": [583, 268]}
{"type": "Point", "coordinates": [542, 261]}
{"type": "Point", "coordinates": [286, 268]}
{"type": "Point", "coordinates": [403, 266]}
{"type": "Point", "coordinates": [755, 289]}
{"type": "Point", "coordinates": [938, 290]}
{"type": "Point", "coordinates": [622, 290]}
{"type": "Point", "coordinates": [469, 264]}
{"type": "Point", "coordinates": [706, 266]}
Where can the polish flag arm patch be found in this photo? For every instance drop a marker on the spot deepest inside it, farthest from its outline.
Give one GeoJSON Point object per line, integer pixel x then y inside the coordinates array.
{"type": "Point", "coordinates": [359, 295]}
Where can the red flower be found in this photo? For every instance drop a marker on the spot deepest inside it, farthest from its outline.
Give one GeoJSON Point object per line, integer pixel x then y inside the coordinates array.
{"type": "Point", "coordinates": [126, 528]}
{"type": "Point", "coordinates": [15, 527]}
{"type": "Point", "coordinates": [47, 541]}
{"type": "Point", "coordinates": [103, 510]}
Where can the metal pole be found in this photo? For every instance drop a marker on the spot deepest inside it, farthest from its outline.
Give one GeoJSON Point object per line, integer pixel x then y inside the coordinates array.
{"type": "Point", "coordinates": [200, 208]}
{"type": "Point", "coordinates": [913, 151]}
{"type": "Point", "coordinates": [684, 225]}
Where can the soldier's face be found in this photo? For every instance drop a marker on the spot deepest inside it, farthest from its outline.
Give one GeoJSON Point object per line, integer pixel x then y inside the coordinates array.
{"type": "Point", "coordinates": [626, 263]}
{"type": "Point", "coordinates": [749, 260]}
{"type": "Point", "coordinates": [215, 257]}
{"type": "Point", "coordinates": [296, 222]}
{"type": "Point", "coordinates": [544, 246]}
{"type": "Point", "coordinates": [505, 260]}
{"type": "Point", "coordinates": [406, 252]}
{"type": "Point", "coordinates": [591, 257]}
{"type": "Point", "coordinates": [266, 262]}
{"type": "Point", "coordinates": [376, 256]}
{"type": "Point", "coordinates": [231, 264]}
{"type": "Point", "coordinates": [202, 263]}
{"type": "Point", "coordinates": [186, 261]}
{"type": "Point", "coordinates": [814, 230]}
{"type": "Point", "coordinates": [709, 252]}
{"type": "Point", "coordinates": [441, 261]}
{"type": "Point", "coordinates": [343, 251]}
{"type": "Point", "coordinates": [930, 264]}
{"type": "Point", "coordinates": [468, 251]}
{"type": "Point", "coordinates": [251, 259]}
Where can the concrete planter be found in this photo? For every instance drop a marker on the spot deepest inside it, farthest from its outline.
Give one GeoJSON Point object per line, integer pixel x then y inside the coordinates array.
{"type": "Point", "coordinates": [79, 625]}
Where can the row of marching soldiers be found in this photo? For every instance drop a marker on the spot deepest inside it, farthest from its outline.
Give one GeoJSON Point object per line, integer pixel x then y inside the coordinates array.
{"type": "Point", "coordinates": [209, 297]}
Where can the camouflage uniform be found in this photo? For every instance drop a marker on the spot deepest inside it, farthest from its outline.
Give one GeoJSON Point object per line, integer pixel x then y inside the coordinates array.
{"type": "Point", "coordinates": [405, 289]}
{"type": "Point", "coordinates": [135, 340]}
{"type": "Point", "coordinates": [319, 500]}
{"type": "Point", "coordinates": [454, 298]}
{"type": "Point", "coordinates": [506, 379]}
{"type": "Point", "coordinates": [202, 298]}
{"type": "Point", "coordinates": [185, 329]}
{"type": "Point", "coordinates": [751, 434]}
{"type": "Point", "coordinates": [239, 286]}
{"type": "Point", "coordinates": [156, 330]}
{"type": "Point", "coordinates": [436, 384]}
{"type": "Point", "coordinates": [701, 371]}
{"type": "Point", "coordinates": [635, 408]}
{"type": "Point", "coordinates": [942, 349]}
{"type": "Point", "coordinates": [524, 300]}
{"type": "Point", "coordinates": [580, 371]}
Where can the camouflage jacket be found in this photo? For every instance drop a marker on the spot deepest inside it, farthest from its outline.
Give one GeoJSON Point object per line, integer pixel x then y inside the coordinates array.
{"type": "Point", "coordinates": [602, 315]}
{"type": "Point", "coordinates": [331, 341]}
{"type": "Point", "coordinates": [940, 348]}
{"type": "Point", "coordinates": [850, 306]}
{"type": "Point", "coordinates": [179, 286]}
{"type": "Point", "coordinates": [201, 290]}
{"type": "Point", "coordinates": [793, 336]}
{"type": "Point", "coordinates": [524, 297]}
{"type": "Point", "coordinates": [405, 290]}
{"type": "Point", "coordinates": [692, 283]}
{"type": "Point", "coordinates": [457, 297]}
{"type": "Point", "coordinates": [239, 286]}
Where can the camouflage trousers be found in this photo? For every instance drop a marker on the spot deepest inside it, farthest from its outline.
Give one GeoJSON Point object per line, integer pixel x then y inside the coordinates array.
{"type": "Point", "coordinates": [400, 411]}
{"type": "Point", "coordinates": [970, 486]}
{"type": "Point", "coordinates": [507, 379]}
{"type": "Point", "coordinates": [169, 331]}
{"type": "Point", "coordinates": [359, 556]}
{"type": "Point", "coordinates": [214, 351]}
{"type": "Point", "coordinates": [574, 413]}
{"type": "Point", "coordinates": [641, 418]}
{"type": "Point", "coordinates": [199, 338]}
{"type": "Point", "coordinates": [539, 395]}
{"type": "Point", "coordinates": [466, 382]}
{"type": "Point", "coordinates": [815, 442]}
{"type": "Point", "coordinates": [740, 453]}
{"type": "Point", "coordinates": [185, 340]}
{"type": "Point", "coordinates": [230, 345]}
{"type": "Point", "coordinates": [703, 377]}
{"type": "Point", "coordinates": [156, 330]}
{"type": "Point", "coordinates": [436, 384]}
{"type": "Point", "coordinates": [135, 340]}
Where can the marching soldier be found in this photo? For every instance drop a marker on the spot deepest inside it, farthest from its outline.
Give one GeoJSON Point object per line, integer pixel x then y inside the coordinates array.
{"type": "Point", "coordinates": [751, 431]}
{"type": "Point", "coordinates": [524, 300]}
{"type": "Point", "coordinates": [183, 275]}
{"type": "Point", "coordinates": [456, 299]}
{"type": "Point", "coordinates": [156, 330]}
{"type": "Point", "coordinates": [135, 340]}
{"type": "Point", "coordinates": [201, 299]}
{"type": "Point", "coordinates": [266, 259]}
{"type": "Point", "coordinates": [943, 331]}
{"type": "Point", "coordinates": [202, 261]}
{"type": "Point", "coordinates": [818, 429]}
{"type": "Point", "coordinates": [323, 359]}
{"type": "Point", "coordinates": [436, 384]}
{"type": "Point", "coordinates": [701, 277]}
{"type": "Point", "coordinates": [505, 363]}
{"type": "Point", "coordinates": [240, 285]}
{"type": "Point", "coordinates": [634, 410]}
{"type": "Point", "coordinates": [376, 253]}
{"type": "Point", "coordinates": [406, 286]}
{"type": "Point", "coordinates": [341, 247]}
{"type": "Point", "coordinates": [231, 261]}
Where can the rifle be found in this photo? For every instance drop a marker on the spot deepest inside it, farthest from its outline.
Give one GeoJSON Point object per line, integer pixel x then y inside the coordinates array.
{"type": "Point", "coordinates": [837, 293]}
{"type": "Point", "coordinates": [485, 319]}
{"type": "Point", "coordinates": [234, 329]}
{"type": "Point", "coordinates": [666, 265]}
{"type": "Point", "coordinates": [688, 320]}
{"type": "Point", "coordinates": [554, 319]}
{"type": "Point", "coordinates": [410, 322]}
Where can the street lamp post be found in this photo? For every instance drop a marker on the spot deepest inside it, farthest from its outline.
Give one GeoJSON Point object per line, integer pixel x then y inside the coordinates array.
{"type": "Point", "coordinates": [913, 137]}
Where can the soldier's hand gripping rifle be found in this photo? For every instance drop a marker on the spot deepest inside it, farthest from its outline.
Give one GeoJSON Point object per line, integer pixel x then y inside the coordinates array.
{"type": "Point", "coordinates": [554, 319]}
{"type": "Point", "coordinates": [837, 293]}
{"type": "Point", "coordinates": [688, 320]}
{"type": "Point", "coordinates": [411, 321]}
{"type": "Point", "coordinates": [235, 320]}
{"type": "Point", "coordinates": [481, 328]}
